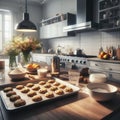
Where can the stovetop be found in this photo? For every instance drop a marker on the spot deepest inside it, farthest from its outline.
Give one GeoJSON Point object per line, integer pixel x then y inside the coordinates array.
{"type": "Point", "coordinates": [70, 61]}
{"type": "Point", "coordinates": [82, 55]}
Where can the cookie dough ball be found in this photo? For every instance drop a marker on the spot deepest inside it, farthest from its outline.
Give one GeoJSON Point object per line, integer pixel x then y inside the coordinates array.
{"type": "Point", "coordinates": [49, 95]}
{"type": "Point", "coordinates": [42, 82]}
{"type": "Point", "coordinates": [10, 93]}
{"type": "Point", "coordinates": [47, 85]}
{"type": "Point", "coordinates": [7, 89]}
{"type": "Point", "coordinates": [19, 102]}
{"type": "Point", "coordinates": [36, 98]}
{"type": "Point", "coordinates": [59, 92]}
{"type": "Point", "coordinates": [31, 93]}
{"type": "Point", "coordinates": [53, 88]}
{"type": "Point", "coordinates": [25, 90]}
{"type": "Point", "coordinates": [43, 91]}
{"type": "Point", "coordinates": [35, 87]}
{"type": "Point", "coordinates": [19, 87]}
{"type": "Point", "coordinates": [14, 98]}
{"type": "Point", "coordinates": [30, 85]}
{"type": "Point", "coordinates": [56, 84]}
{"type": "Point", "coordinates": [51, 81]}
{"type": "Point", "coordinates": [68, 89]}
{"type": "Point", "coordinates": [62, 86]}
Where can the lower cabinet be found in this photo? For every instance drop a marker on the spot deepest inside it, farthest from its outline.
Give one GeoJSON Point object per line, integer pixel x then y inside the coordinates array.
{"type": "Point", "coordinates": [112, 70]}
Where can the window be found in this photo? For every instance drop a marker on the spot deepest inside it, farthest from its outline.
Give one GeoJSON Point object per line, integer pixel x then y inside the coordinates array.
{"type": "Point", "coordinates": [5, 27]}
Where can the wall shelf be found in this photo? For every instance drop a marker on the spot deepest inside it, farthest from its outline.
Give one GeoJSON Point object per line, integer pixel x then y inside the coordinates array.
{"type": "Point", "coordinates": [109, 14]}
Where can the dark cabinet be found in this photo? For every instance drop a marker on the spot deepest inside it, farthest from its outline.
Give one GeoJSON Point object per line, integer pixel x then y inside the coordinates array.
{"type": "Point", "coordinates": [109, 14]}
{"type": "Point", "coordinates": [53, 27]}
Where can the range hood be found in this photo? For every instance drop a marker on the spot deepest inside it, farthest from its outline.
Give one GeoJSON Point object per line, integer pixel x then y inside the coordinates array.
{"type": "Point", "coordinates": [84, 16]}
{"type": "Point", "coordinates": [81, 26]}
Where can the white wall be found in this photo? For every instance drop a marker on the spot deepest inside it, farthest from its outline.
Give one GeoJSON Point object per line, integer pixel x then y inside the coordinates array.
{"type": "Point", "coordinates": [17, 9]}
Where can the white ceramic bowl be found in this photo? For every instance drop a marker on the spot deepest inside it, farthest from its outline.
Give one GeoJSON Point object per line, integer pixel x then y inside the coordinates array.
{"type": "Point", "coordinates": [97, 78]}
{"type": "Point", "coordinates": [17, 76]}
{"type": "Point", "coordinates": [102, 91]}
{"type": "Point", "coordinates": [17, 73]}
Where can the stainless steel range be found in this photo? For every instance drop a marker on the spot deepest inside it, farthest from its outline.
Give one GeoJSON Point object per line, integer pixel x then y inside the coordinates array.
{"type": "Point", "coordinates": [73, 62]}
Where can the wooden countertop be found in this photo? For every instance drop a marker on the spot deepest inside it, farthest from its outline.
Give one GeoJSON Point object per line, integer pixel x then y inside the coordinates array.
{"type": "Point", "coordinates": [79, 107]}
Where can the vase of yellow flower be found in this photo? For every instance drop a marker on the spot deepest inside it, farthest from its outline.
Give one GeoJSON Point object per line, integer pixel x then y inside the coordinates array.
{"type": "Point", "coordinates": [27, 45]}
{"type": "Point", "coordinates": [12, 51]}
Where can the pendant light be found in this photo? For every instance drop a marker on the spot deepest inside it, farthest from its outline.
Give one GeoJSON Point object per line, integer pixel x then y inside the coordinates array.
{"type": "Point", "coordinates": [26, 25]}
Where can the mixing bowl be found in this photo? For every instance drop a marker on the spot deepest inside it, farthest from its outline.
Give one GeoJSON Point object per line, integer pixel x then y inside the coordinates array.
{"type": "Point", "coordinates": [102, 91]}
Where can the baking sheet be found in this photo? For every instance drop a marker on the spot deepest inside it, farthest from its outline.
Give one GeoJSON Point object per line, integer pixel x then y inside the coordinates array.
{"type": "Point", "coordinates": [10, 105]}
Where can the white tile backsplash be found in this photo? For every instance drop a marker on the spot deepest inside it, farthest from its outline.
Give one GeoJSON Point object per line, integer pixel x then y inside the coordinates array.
{"type": "Point", "coordinates": [89, 42]}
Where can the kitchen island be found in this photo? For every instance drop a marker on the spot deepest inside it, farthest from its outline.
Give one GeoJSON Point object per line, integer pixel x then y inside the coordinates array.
{"type": "Point", "coordinates": [79, 106]}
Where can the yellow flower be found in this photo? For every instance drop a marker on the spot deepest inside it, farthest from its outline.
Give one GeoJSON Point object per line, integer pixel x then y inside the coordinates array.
{"type": "Point", "coordinates": [19, 44]}
{"type": "Point", "coordinates": [11, 49]}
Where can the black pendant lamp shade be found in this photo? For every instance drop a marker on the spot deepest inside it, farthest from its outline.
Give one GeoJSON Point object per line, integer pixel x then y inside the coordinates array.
{"type": "Point", "coordinates": [26, 25]}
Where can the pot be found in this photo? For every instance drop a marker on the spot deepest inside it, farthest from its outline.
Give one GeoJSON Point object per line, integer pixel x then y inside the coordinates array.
{"type": "Point", "coordinates": [78, 52]}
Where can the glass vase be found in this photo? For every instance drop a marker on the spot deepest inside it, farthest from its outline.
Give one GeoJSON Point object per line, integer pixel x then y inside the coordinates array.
{"type": "Point", "coordinates": [26, 58]}
{"type": "Point", "coordinates": [12, 62]}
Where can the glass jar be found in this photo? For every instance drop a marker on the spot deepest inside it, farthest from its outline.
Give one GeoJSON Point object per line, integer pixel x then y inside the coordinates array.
{"type": "Point", "coordinates": [55, 66]}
